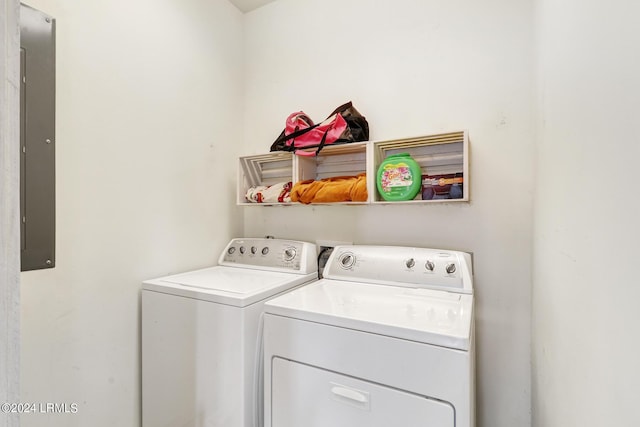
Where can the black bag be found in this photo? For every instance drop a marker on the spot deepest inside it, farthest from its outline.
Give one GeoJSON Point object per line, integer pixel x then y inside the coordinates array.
{"type": "Point", "coordinates": [357, 130]}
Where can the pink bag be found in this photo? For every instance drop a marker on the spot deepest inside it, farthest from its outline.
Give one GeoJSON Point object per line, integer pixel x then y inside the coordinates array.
{"type": "Point", "coordinates": [301, 133]}
{"type": "Point", "coordinates": [305, 138]}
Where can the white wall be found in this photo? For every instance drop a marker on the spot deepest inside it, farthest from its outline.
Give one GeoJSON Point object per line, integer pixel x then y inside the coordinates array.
{"type": "Point", "coordinates": [148, 103]}
{"type": "Point", "coordinates": [9, 210]}
{"type": "Point", "coordinates": [585, 290]}
{"type": "Point", "coordinates": [413, 67]}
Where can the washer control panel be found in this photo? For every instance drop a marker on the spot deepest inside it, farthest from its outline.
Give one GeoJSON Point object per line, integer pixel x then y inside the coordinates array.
{"type": "Point", "coordinates": [271, 254]}
{"type": "Point", "coordinates": [402, 266]}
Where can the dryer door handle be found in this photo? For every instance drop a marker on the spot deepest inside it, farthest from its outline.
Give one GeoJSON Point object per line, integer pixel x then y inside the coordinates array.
{"type": "Point", "coordinates": [350, 393]}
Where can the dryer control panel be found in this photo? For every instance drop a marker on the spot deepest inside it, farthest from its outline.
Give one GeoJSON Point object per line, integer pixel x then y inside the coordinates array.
{"type": "Point", "coordinates": [402, 266]}
{"type": "Point", "coordinates": [290, 256]}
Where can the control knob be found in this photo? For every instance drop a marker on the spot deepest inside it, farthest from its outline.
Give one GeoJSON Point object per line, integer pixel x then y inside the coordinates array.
{"type": "Point", "coordinates": [265, 250]}
{"type": "Point", "coordinates": [289, 254]}
{"type": "Point", "coordinates": [430, 265]}
{"type": "Point", "coordinates": [450, 268]}
{"type": "Point", "coordinates": [254, 249]}
{"type": "Point", "coordinates": [410, 263]}
{"type": "Point", "coordinates": [242, 249]}
{"type": "Point", "coordinates": [231, 250]}
{"type": "Point", "coordinates": [347, 260]}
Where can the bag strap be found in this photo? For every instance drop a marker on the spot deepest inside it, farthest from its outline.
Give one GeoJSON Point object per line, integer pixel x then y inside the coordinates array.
{"type": "Point", "coordinates": [297, 133]}
{"type": "Point", "coordinates": [324, 139]}
{"type": "Point", "coordinates": [341, 108]}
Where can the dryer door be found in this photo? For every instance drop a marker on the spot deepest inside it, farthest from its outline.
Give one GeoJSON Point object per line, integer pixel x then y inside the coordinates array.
{"type": "Point", "coordinates": [307, 396]}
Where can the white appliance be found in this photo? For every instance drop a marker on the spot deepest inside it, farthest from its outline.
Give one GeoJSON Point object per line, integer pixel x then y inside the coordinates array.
{"type": "Point", "coordinates": [385, 339]}
{"type": "Point", "coordinates": [201, 333]}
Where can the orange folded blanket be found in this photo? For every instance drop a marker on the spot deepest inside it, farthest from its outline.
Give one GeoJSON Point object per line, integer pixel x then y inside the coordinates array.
{"type": "Point", "coordinates": [331, 190]}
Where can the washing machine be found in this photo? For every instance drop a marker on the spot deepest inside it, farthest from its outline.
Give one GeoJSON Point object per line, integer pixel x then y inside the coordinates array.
{"type": "Point", "coordinates": [201, 333]}
{"type": "Point", "coordinates": [386, 338]}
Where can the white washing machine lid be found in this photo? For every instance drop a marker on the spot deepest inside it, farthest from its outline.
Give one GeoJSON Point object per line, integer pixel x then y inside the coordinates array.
{"type": "Point", "coordinates": [429, 316]}
{"type": "Point", "coordinates": [239, 287]}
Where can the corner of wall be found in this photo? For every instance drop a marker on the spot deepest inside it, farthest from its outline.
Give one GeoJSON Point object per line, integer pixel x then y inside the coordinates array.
{"type": "Point", "coordinates": [9, 212]}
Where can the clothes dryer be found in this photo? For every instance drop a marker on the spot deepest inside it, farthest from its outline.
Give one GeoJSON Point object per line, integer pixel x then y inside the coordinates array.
{"type": "Point", "coordinates": [384, 339]}
{"type": "Point", "coordinates": [201, 333]}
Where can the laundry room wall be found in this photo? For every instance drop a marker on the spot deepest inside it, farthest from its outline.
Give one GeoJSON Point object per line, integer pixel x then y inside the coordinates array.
{"type": "Point", "coordinates": [9, 209]}
{"type": "Point", "coordinates": [148, 107]}
{"type": "Point", "coordinates": [585, 286]}
{"type": "Point", "coordinates": [414, 67]}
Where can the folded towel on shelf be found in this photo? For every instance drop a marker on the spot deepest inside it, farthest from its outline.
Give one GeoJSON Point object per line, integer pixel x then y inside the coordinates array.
{"type": "Point", "coordinates": [276, 193]}
{"type": "Point", "coordinates": [331, 190]}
